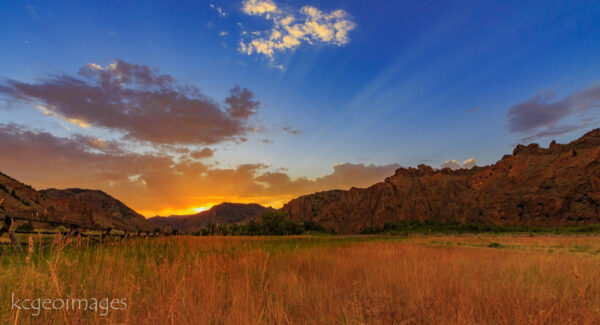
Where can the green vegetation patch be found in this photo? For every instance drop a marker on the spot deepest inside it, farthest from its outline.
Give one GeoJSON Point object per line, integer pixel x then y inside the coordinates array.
{"type": "Point", "coordinates": [271, 223]}
{"type": "Point", "coordinates": [434, 227]}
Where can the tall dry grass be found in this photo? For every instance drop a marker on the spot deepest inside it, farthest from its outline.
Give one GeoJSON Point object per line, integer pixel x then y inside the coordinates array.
{"type": "Point", "coordinates": [331, 280]}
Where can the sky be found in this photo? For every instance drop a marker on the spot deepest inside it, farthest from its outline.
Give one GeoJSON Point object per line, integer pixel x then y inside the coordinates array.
{"type": "Point", "coordinates": [175, 106]}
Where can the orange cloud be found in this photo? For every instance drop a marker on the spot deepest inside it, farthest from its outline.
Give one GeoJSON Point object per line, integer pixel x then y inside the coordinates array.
{"type": "Point", "coordinates": [157, 183]}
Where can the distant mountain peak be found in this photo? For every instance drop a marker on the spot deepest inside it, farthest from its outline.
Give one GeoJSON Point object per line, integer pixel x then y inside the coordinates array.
{"type": "Point", "coordinates": [224, 213]}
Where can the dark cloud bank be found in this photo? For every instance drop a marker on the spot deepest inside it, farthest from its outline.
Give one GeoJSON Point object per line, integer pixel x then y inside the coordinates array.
{"type": "Point", "coordinates": [545, 116]}
{"type": "Point", "coordinates": [140, 102]}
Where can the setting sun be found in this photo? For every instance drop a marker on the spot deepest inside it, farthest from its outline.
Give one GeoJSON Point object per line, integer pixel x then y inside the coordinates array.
{"type": "Point", "coordinates": [200, 209]}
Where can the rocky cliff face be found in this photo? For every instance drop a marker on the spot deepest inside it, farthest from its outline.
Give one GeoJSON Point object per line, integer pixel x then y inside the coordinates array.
{"type": "Point", "coordinates": [534, 186]}
{"type": "Point", "coordinates": [224, 213]}
{"type": "Point", "coordinates": [82, 207]}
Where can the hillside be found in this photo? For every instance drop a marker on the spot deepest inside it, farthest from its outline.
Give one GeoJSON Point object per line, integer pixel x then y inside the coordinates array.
{"type": "Point", "coordinates": [224, 213]}
{"type": "Point", "coordinates": [83, 207]}
{"type": "Point", "coordinates": [98, 208]}
{"type": "Point", "coordinates": [555, 186]}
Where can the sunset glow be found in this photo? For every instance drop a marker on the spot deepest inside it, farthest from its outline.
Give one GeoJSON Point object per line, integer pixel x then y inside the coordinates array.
{"type": "Point", "coordinates": [171, 211]}
{"type": "Point", "coordinates": [300, 162]}
{"type": "Point", "coordinates": [264, 101]}
{"type": "Point", "coordinates": [200, 209]}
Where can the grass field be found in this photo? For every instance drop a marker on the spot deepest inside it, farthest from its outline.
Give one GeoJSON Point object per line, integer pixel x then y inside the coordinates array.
{"type": "Point", "coordinates": [471, 279]}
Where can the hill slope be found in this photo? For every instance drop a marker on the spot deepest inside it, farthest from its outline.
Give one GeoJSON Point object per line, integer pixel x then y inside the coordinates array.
{"type": "Point", "coordinates": [98, 208]}
{"type": "Point", "coordinates": [557, 186]}
{"type": "Point", "coordinates": [83, 207]}
{"type": "Point", "coordinates": [224, 213]}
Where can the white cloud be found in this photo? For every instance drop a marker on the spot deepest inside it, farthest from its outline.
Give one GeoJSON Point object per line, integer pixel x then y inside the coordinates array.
{"type": "Point", "coordinates": [223, 33]}
{"type": "Point", "coordinates": [259, 7]}
{"type": "Point", "coordinates": [290, 29]}
{"type": "Point", "coordinates": [470, 163]}
{"type": "Point", "coordinates": [452, 164]}
{"type": "Point", "coordinates": [94, 66]}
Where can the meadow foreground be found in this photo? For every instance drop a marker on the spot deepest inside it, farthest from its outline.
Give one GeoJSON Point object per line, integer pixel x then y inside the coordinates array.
{"type": "Point", "coordinates": [312, 280]}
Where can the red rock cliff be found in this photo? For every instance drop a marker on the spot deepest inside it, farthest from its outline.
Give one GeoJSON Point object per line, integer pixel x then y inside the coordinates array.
{"type": "Point", "coordinates": [556, 186]}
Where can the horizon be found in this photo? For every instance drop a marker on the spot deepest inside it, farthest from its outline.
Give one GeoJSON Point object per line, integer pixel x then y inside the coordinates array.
{"type": "Point", "coordinates": [198, 210]}
{"type": "Point", "coordinates": [176, 108]}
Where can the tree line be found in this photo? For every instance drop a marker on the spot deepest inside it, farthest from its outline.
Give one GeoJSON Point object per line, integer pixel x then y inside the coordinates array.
{"type": "Point", "coordinates": [270, 223]}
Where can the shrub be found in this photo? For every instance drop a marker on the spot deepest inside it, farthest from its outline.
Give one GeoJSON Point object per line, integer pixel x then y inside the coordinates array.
{"type": "Point", "coordinates": [62, 229]}
{"type": "Point", "coordinates": [25, 227]}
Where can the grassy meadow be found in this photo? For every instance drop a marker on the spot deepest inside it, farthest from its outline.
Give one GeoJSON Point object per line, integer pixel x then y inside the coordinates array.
{"type": "Point", "coordinates": [468, 279]}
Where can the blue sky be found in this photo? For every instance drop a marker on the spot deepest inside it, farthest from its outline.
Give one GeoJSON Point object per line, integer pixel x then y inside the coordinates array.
{"type": "Point", "coordinates": [373, 82]}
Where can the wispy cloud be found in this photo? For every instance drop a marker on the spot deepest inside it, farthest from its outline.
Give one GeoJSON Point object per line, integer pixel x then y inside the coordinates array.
{"type": "Point", "coordinates": [543, 115]}
{"type": "Point", "coordinates": [289, 130]}
{"type": "Point", "coordinates": [556, 131]}
{"type": "Point", "coordinates": [291, 29]}
{"type": "Point", "coordinates": [219, 10]}
{"type": "Point", "coordinates": [473, 110]}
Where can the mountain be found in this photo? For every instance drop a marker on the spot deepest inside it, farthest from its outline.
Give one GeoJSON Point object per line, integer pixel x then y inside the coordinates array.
{"type": "Point", "coordinates": [555, 186]}
{"type": "Point", "coordinates": [82, 207]}
{"type": "Point", "coordinates": [98, 208]}
{"type": "Point", "coordinates": [224, 213]}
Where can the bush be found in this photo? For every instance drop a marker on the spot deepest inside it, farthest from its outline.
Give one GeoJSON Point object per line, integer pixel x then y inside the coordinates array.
{"type": "Point", "coordinates": [277, 223]}
{"type": "Point", "coordinates": [63, 229]}
{"type": "Point", "coordinates": [25, 227]}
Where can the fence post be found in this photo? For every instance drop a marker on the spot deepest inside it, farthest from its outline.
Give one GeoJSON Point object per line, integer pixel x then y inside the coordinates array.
{"type": "Point", "coordinates": [74, 231]}
{"type": "Point", "coordinates": [105, 233]}
{"type": "Point", "coordinates": [8, 225]}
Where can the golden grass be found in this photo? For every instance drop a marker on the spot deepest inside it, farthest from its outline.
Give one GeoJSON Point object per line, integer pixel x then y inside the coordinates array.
{"type": "Point", "coordinates": [316, 280]}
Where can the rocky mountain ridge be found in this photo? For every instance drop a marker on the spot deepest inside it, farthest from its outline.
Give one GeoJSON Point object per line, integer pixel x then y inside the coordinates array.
{"type": "Point", "coordinates": [554, 186]}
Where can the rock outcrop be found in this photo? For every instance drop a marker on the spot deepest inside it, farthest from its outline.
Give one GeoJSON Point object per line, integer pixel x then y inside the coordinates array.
{"type": "Point", "coordinates": [557, 186]}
